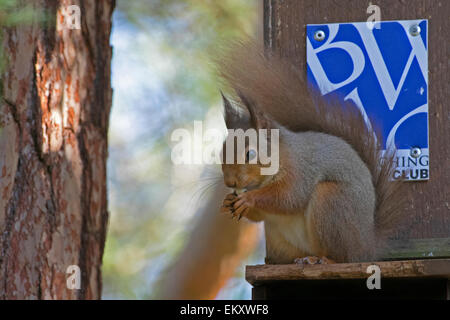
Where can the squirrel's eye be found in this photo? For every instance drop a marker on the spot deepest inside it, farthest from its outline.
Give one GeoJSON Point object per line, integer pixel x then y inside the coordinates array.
{"type": "Point", "coordinates": [251, 154]}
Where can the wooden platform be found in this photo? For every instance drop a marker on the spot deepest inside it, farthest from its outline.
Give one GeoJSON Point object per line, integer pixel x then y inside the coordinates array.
{"type": "Point", "coordinates": [407, 279]}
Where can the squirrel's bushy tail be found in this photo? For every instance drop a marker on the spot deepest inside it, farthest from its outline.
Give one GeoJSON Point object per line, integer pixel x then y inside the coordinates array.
{"type": "Point", "coordinates": [282, 92]}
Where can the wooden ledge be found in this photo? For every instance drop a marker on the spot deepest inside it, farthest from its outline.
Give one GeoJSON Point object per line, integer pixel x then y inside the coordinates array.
{"type": "Point", "coordinates": [430, 268]}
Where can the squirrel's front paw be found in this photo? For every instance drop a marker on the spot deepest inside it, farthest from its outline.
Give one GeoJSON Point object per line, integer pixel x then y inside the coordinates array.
{"type": "Point", "coordinates": [227, 205]}
{"type": "Point", "coordinates": [237, 205]}
{"type": "Point", "coordinates": [244, 202]}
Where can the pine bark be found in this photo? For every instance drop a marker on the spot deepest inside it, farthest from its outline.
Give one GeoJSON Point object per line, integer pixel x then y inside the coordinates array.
{"type": "Point", "coordinates": [54, 112]}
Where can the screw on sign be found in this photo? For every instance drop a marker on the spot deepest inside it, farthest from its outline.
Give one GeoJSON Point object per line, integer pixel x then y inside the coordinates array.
{"type": "Point", "coordinates": [319, 35]}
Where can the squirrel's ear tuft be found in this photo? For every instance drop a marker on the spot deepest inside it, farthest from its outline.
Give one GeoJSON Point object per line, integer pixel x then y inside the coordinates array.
{"type": "Point", "coordinates": [231, 115]}
{"type": "Point", "coordinates": [257, 117]}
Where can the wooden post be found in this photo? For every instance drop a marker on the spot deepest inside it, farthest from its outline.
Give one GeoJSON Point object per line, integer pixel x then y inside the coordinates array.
{"type": "Point", "coordinates": [428, 229]}
{"type": "Point", "coordinates": [284, 32]}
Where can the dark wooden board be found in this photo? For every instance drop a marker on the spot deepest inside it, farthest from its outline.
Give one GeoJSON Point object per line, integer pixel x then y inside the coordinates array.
{"type": "Point", "coordinates": [355, 289]}
{"type": "Point", "coordinates": [284, 32]}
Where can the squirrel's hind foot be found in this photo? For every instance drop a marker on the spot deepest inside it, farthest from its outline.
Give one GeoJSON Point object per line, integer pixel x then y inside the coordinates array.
{"type": "Point", "coordinates": [310, 260]}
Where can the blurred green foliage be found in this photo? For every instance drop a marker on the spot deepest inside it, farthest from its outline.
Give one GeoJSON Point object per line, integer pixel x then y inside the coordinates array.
{"type": "Point", "coordinates": [162, 79]}
{"type": "Point", "coordinates": [189, 32]}
{"type": "Point", "coordinates": [11, 14]}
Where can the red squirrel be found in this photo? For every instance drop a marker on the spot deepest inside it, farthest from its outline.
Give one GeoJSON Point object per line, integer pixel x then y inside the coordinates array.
{"type": "Point", "coordinates": [332, 199]}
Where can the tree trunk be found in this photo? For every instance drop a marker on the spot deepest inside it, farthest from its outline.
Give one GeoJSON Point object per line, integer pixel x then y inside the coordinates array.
{"type": "Point", "coordinates": [54, 111]}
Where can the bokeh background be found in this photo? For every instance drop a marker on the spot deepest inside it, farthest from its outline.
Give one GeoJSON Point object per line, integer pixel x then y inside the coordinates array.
{"type": "Point", "coordinates": [162, 79]}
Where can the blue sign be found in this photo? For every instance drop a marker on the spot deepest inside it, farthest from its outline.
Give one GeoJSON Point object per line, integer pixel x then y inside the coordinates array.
{"type": "Point", "coordinates": [383, 69]}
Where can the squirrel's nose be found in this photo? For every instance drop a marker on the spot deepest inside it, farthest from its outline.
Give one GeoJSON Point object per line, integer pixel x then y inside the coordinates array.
{"type": "Point", "coordinates": [230, 183]}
